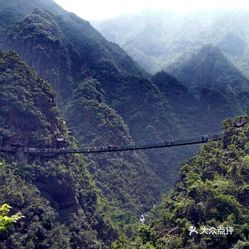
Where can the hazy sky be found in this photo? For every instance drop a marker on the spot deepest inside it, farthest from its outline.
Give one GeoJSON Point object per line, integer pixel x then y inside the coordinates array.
{"type": "Point", "coordinates": [105, 9]}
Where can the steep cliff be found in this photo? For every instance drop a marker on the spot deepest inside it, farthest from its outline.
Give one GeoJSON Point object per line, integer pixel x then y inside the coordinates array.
{"type": "Point", "coordinates": [57, 196]}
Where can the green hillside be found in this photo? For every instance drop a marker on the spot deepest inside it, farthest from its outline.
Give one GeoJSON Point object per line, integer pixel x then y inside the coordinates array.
{"type": "Point", "coordinates": [182, 100]}
{"type": "Point", "coordinates": [57, 196]}
{"type": "Point", "coordinates": [122, 177]}
{"type": "Point", "coordinates": [222, 90]}
{"type": "Point", "coordinates": [212, 192]}
{"type": "Point", "coordinates": [210, 68]}
{"type": "Point", "coordinates": [60, 78]}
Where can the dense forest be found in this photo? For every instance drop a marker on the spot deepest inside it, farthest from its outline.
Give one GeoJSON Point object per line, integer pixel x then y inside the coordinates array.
{"type": "Point", "coordinates": [61, 79]}
{"type": "Point", "coordinates": [212, 192]}
{"type": "Point", "coordinates": [71, 55]}
{"type": "Point", "coordinates": [56, 196]}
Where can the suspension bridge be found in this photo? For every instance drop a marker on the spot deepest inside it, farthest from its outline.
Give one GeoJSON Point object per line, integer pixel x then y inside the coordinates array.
{"type": "Point", "coordinates": [111, 148]}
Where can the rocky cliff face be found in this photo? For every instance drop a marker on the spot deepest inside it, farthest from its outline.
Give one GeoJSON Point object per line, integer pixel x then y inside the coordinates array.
{"type": "Point", "coordinates": [57, 196]}
{"type": "Point", "coordinates": [123, 177]}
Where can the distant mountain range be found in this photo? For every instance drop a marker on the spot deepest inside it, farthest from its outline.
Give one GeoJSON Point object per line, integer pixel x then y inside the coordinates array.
{"type": "Point", "coordinates": [156, 40]}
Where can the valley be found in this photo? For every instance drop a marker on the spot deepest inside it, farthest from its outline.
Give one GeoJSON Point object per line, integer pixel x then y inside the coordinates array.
{"type": "Point", "coordinates": [170, 78]}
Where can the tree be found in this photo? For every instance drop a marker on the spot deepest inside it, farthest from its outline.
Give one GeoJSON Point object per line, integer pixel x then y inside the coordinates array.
{"type": "Point", "coordinates": [5, 219]}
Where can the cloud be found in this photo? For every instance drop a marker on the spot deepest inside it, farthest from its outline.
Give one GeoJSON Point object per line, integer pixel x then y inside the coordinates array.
{"type": "Point", "coordinates": [104, 9]}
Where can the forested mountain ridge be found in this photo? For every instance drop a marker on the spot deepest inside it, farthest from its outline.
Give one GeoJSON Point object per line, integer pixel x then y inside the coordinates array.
{"type": "Point", "coordinates": [206, 52]}
{"type": "Point", "coordinates": [222, 90]}
{"type": "Point", "coordinates": [212, 192]}
{"type": "Point", "coordinates": [57, 196]}
{"type": "Point", "coordinates": [210, 68]}
{"type": "Point", "coordinates": [121, 183]}
{"type": "Point", "coordinates": [183, 102]}
{"type": "Point", "coordinates": [67, 51]}
{"type": "Point", "coordinates": [207, 89]}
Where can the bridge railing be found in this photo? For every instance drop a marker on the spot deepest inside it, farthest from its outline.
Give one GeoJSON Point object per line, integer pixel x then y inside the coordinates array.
{"type": "Point", "coordinates": [167, 143]}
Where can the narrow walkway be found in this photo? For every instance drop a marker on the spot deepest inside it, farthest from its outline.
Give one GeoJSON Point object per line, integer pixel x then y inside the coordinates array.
{"type": "Point", "coordinates": [113, 148]}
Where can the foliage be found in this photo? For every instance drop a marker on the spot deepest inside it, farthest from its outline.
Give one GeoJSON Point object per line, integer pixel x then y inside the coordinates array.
{"type": "Point", "coordinates": [212, 191]}
{"type": "Point", "coordinates": [210, 90]}
{"type": "Point", "coordinates": [120, 177]}
{"type": "Point", "coordinates": [57, 196]}
{"type": "Point", "coordinates": [5, 219]}
{"type": "Point", "coordinates": [107, 99]}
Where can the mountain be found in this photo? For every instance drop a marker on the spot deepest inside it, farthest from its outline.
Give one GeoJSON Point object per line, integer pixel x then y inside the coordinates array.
{"type": "Point", "coordinates": [13, 11]}
{"type": "Point", "coordinates": [207, 89]}
{"type": "Point", "coordinates": [77, 48]}
{"type": "Point", "coordinates": [124, 177]}
{"type": "Point", "coordinates": [73, 57]}
{"type": "Point", "coordinates": [97, 96]}
{"type": "Point", "coordinates": [212, 192]}
{"type": "Point", "coordinates": [57, 196]}
{"type": "Point", "coordinates": [210, 68]}
{"type": "Point", "coordinates": [221, 88]}
{"type": "Point", "coordinates": [158, 39]}
{"type": "Point", "coordinates": [183, 102]}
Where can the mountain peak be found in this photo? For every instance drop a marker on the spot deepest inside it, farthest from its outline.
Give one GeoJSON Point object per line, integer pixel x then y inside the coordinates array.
{"type": "Point", "coordinates": [209, 68]}
{"type": "Point", "coordinates": [164, 74]}
{"type": "Point", "coordinates": [168, 83]}
{"type": "Point", "coordinates": [211, 53]}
